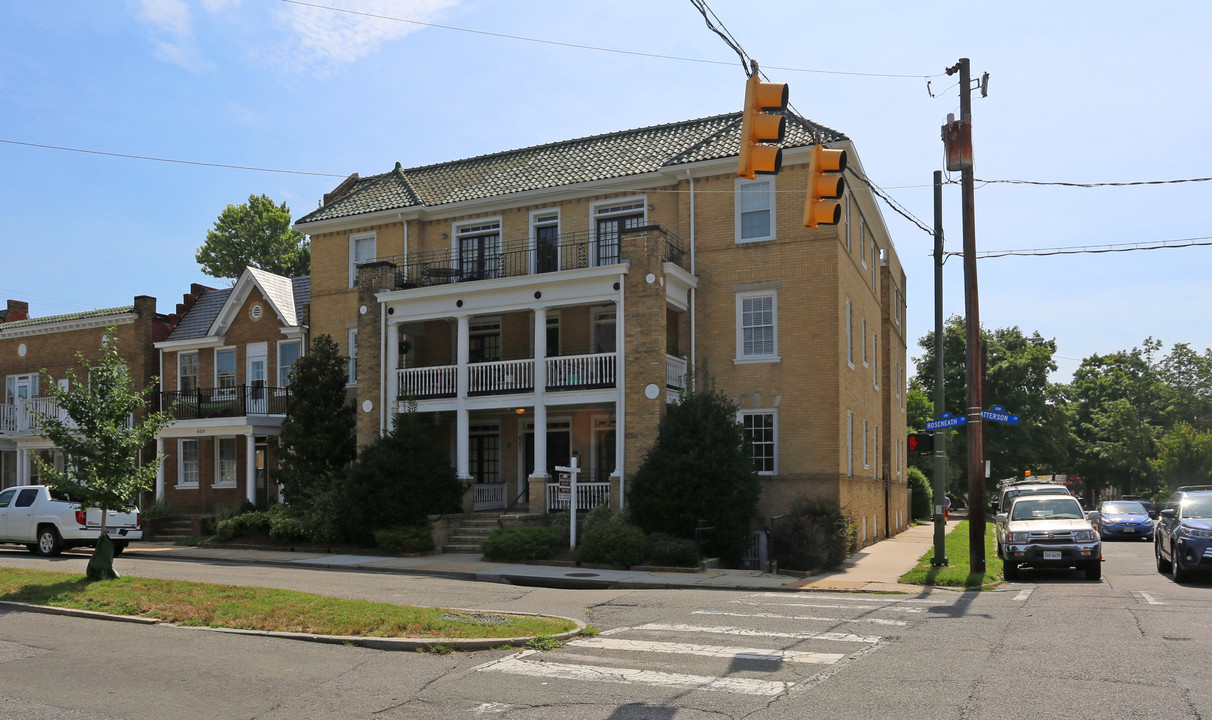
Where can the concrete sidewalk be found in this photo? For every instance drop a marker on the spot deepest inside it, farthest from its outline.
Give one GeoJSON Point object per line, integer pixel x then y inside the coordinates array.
{"type": "Point", "coordinates": [876, 567]}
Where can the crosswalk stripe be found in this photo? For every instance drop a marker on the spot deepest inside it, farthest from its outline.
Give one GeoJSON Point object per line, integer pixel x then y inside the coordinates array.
{"type": "Point", "coordinates": [832, 607]}
{"type": "Point", "coordinates": [835, 636]}
{"type": "Point", "coordinates": [856, 597]}
{"type": "Point", "coordinates": [813, 618]}
{"type": "Point", "coordinates": [717, 651]}
{"type": "Point", "coordinates": [516, 665]}
{"type": "Point", "coordinates": [1023, 595]}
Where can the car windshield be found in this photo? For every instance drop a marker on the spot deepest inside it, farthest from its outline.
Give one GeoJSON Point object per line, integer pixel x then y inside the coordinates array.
{"type": "Point", "coordinates": [1123, 507]}
{"type": "Point", "coordinates": [1199, 507]}
{"type": "Point", "coordinates": [1051, 509]}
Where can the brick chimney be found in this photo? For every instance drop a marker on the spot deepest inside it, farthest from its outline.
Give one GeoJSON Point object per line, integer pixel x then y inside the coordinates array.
{"type": "Point", "coordinates": [17, 310]}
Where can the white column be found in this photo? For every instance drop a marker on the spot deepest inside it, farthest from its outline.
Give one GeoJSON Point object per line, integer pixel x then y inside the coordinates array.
{"type": "Point", "coordinates": [540, 387]}
{"type": "Point", "coordinates": [620, 384]}
{"type": "Point", "coordinates": [393, 375]}
{"type": "Point", "coordinates": [463, 418]}
{"type": "Point", "coordinates": [22, 466]}
{"type": "Point", "coordinates": [250, 467]}
{"type": "Point", "coordinates": [159, 469]}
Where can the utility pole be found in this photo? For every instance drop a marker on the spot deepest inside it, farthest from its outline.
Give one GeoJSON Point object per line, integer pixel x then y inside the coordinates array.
{"type": "Point", "coordinates": [976, 387]}
{"type": "Point", "coordinates": [940, 437]}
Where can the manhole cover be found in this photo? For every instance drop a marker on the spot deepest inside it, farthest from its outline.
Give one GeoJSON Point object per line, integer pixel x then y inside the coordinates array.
{"type": "Point", "coordinates": [581, 574]}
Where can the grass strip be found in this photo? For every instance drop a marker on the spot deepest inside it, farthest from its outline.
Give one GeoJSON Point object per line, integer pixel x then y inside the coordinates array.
{"type": "Point", "coordinates": [958, 572]}
{"type": "Point", "coordinates": [254, 608]}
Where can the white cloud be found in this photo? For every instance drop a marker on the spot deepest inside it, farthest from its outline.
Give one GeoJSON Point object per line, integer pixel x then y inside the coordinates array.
{"type": "Point", "coordinates": [170, 24]}
{"type": "Point", "coordinates": [324, 38]}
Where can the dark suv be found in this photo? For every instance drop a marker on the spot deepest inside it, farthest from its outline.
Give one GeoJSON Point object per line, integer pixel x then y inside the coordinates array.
{"type": "Point", "coordinates": [1182, 541]}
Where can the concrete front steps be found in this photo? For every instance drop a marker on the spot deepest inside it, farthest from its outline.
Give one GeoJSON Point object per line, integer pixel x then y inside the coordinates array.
{"type": "Point", "coordinates": [468, 536]}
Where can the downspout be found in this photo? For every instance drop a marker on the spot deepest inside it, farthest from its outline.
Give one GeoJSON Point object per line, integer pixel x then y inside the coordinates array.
{"type": "Point", "coordinates": [620, 422]}
{"type": "Point", "coordinates": [383, 369]}
{"type": "Point", "coordinates": [693, 291]}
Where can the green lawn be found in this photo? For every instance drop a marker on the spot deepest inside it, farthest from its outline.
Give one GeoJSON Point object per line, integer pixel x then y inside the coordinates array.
{"type": "Point", "coordinates": [958, 572]}
{"type": "Point", "coordinates": [251, 608]}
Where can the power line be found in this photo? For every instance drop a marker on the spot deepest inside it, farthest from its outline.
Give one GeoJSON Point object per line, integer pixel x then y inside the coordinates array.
{"type": "Point", "coordinates": [890, 202]}
{"type": "Point", "coordinates": [1095, 249]}
{"type": "Point", "coordinates": [1096, 184]}
{"type": "Point", "coordinates": [168, 160]}
{"type": "Point", "coordinates": [577, 46]}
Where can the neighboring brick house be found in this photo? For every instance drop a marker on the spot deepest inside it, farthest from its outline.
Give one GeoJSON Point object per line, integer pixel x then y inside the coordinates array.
{"type": "Point", "coordinates": [569, 286]}
{"type": "Point", "coordinates": [225, 377]}
{"type": "Point", "coordinates": [41, 350]}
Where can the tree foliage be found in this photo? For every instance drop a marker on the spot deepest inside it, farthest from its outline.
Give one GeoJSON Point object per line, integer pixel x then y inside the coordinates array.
{"type": "Point", "coordinates": [256, 233]}
{"type": "Point", "coordinates": [101, 432]}
{"type": "Point", "coordinates": [698, 471]}
{"type": "Point", "coordinates": [1184, 456]}
{"type": "Point", "coordinates": [317, 441]}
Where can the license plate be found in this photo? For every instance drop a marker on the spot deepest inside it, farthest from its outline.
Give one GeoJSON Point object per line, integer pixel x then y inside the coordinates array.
{"type": "Point", "coordinates": [1052, 555]}
{"type": "Point", "coordinates": [1129, 530]}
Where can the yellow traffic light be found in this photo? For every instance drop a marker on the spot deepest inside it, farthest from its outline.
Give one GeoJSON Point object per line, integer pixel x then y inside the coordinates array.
{"type": "Point", "coordinates": [825, 187]}
{"type": "Point", "coordinates": [759, 126]}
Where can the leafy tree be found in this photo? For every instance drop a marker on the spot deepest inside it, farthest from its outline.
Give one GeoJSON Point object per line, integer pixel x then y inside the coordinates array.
{"type": "Point", "coordinates": [317, 438]}
{"type": "Point", "coordinates": [101, 444]}
{"type": "Point", "coordinates": [919, 407]}
{"type": "Point", "coordinates": [1117, 443]}
{"type": "Point", "coordinates": [700, 468]}
{"type": "Point", "coordinates": [398, 480]}
{"type": "Point", "coordinates": [1184, 456]}
{"type": "Point", "coordinates": [256, 233]}
{"type": "Point", "coordinates": [1187, 380]}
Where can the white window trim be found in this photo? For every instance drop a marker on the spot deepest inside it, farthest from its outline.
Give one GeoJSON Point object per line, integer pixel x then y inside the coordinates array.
{"type": "Point", "coordinates": [235, 368]}
{"type": "Point", "coordinates": [849, 442]}
{"type": "Point", "coordinates": [235, 481]}
{"type": "Point", "coordinates": [866, 436]}
{"type": "Point", "coordinates": [602, 209]}
{"type": "Point", "coordinates": [741, 358]}
{"type": "Point", "coordinates": [198, 365]}
{"type": "Point", "coordinates": [862, 240]}
{"type": "Point", "coordinates": [278, 366]}
{"type": "Point", "coordinates": [535, 216]}
{"type": "Point", "coordinates": [875, 453]}
{"type": "Point", "coordinates": [875, 363]}
{"type": "Point", "coordinates": [351, 368]}
{"type": "Point", "coordinates": [775, 417]}
{"type": "Point", "coordinates": [772, 196]}
{"type": "Point", "coordinates": [181, 482]}
{"type": "Point", "coordinates": [849, 246]}
{"type": "Point", "coordinates": [863, 335]}
{"type": "Point", "coordinates": [353, 244]}
{"type": "Point", "coordinates": [849, 334]}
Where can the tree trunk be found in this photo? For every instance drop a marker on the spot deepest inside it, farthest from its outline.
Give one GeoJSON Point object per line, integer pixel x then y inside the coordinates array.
{"type": "Point", "coordinates": [101, 564]}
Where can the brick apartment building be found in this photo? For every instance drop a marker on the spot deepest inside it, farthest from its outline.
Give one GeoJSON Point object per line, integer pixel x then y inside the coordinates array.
{"type": "Point", "coordinates": [225, 379]}
{"type": "Point", "coordinates": [568, 287]}
{"type": "Point", "coordinates": [40, 350]}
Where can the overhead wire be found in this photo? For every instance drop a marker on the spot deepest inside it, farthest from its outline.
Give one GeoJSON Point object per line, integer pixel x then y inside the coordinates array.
{"type": "Point", "coordinates": [1094, 249]}
{"type": "Point", "coordinates": [168, 160]}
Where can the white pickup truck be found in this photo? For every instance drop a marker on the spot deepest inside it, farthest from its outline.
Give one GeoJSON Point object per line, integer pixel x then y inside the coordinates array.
{"type": "Point", "coordinates": [47, 521]}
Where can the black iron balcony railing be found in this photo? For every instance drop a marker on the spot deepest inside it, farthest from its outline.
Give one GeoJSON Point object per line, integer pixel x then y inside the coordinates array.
{"type": "Point", "coordinates": [489, 258]}
{"type": "Point", "coordinates": [235, 401]}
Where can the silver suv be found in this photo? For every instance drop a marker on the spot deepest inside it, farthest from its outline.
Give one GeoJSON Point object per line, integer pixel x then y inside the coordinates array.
{"type": "Point", "coordinates": [1048, 531]}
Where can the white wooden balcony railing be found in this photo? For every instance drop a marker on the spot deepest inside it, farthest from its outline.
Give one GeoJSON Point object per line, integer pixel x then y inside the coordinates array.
{"type": "Point", "coordinates": [589, 496]}
{"type": "Point", "coordinates": [24, 416]}
{"type": "Point", "coordinates": [572, 372]}
{"type": "Point", "coordinates": [675, 372]}
{"type": "Point", "coordinates": [488, 496]}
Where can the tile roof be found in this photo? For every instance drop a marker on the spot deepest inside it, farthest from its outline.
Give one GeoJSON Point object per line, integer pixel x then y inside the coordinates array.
{"type": "Point", "coordinates": [279, 291]}
{"type": "Point", "coordinates": [289, 295]}
{"type": "Point", "coordinates": [197, 320]}
{"type": "Point", "coordinates": [301, 287]}
{"type": "Point", "coordinates": [599, 157]}
{"type": "Point", "coordinates": [69, 317]}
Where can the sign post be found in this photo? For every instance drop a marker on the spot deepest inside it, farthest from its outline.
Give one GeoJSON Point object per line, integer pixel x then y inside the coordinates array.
{"type": "Point", "coordinates": [568, 479]}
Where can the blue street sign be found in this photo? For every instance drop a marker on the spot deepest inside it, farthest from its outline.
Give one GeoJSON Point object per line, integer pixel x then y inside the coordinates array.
{"type": "Point", "coordinates": [947, 422]}
{"type": "Point", "coordinates": [1000, 416]}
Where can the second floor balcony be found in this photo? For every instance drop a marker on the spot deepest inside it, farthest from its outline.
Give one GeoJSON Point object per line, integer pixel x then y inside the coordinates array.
{"type": "Point", "coordinates": [26, 415]}
{"type": "Point", "coordinates": [225, 402]}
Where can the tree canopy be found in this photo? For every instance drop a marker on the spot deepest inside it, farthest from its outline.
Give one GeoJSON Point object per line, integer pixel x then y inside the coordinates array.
{"type": "Point", "coordinates": [256, 233]}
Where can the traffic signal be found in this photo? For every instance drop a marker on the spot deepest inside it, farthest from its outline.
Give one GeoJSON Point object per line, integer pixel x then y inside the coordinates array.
{"type": "Point", "coordinates": [825, 186]}
{"type": "Point", "coordinates": [921, 442]}
{"type": "Point", "coordinates": [759, 126]}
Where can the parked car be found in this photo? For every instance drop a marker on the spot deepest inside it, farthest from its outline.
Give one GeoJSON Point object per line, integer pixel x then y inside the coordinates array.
{"type": "Point", "coordinates": [47, 521]}
{"type": "Point", "coordinates": [1043, 531]}
{"type": "Point", "coordinates": [1150, 507]}
{"type": "Point", "coordinates": [1123, 519]}
{"type": "Point", "coordinates": [1182, 542]}
{"type": "Point", "coordinates": [1011, 491]}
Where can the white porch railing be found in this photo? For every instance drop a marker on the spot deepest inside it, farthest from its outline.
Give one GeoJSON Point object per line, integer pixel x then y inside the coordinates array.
{"type": "Point", "coordinates": [501, 376]}
{"type": "Point", "coordinates": [589, 496]}
{"type": "Point", "coordinates": [427, 382]}
{"type": "Point", "coordinates": [26, 415]}
{"type": "Point", "coordinates": [488, 496]}
{"type": "Point", "coordinates": [675, 372]}
{"type": "Point", "coordinates": [578, 371]}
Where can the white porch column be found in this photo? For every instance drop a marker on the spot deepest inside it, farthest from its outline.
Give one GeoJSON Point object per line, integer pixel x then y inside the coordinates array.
{"type": "Point", "coordinates": [462, 386]}
{"type": "Point", "coordinates": [540, 388]}
{"type": "Point", "coordinates": [620, 403]}
{"type": "Point", "coordinates": [393, 375]}
{"type": "Point", "coordinates": [22, 466]}
{"type": "Point", "coordinates": [250, 467]}
{"type": "Point", "coordinates": [159, 469]}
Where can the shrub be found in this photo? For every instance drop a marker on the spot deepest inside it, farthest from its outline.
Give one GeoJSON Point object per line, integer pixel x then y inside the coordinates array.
{"type": "Point", "coordinates": [612, 540]}
{"type": "Point", "coordinates": [401, 540]}
{"type": "Point", "coordinates": [517, 544]}
{"type": "Point", "coordinates": [250, 523]}
{"type": "Point", "coordinates": [672, 551]}
{"type": "Point", "coordinates": [284, 527]}
{"type": "Point", "coordinates": [814, 536]}
{"type": "Point", "coordinates": [922, 494]}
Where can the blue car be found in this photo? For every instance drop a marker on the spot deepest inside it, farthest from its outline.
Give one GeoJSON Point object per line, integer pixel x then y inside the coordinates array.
{"type": "Point", "coordinates": [1183, 540]}
{"type": "Point", "coordinates": [1122, 519]}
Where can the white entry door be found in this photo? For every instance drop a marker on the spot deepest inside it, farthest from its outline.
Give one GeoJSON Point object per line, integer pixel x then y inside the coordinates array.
{"type": "Point", "coordinates": [257, 364]}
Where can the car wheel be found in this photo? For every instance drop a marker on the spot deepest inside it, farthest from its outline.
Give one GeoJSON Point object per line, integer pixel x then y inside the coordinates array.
{"type": "Point", "coordinates": [49, 543]}
{"type": "Point", "coordinates": [1162, 565]}
{"type": "Point", "coordinates": [1177, 571]}
{"type": "Point", "coordinates": [1094, 570]}
{"type": "Point", "coordinates": [1010, 570]}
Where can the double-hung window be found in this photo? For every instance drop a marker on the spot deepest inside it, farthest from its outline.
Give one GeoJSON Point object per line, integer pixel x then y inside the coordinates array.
{"type": "Point", "coordinates": [187, 372]}
{"type": "Point", "coordinates": [754, 210]}
{"type": "Point", "coordinates": [225, 368]}
{"type": "Point", "coordinates": [761, 430]}
{"type": "Point", "coordinates": [362, 248]}
{"type": "Point", "coordinates": [189, 463]}
{"type": "Point", "coordinates": [288, 355]}
{"type": "Point", "coordinates": [353, 356]}
{"type": "Point", "coordinates": [225, 461]}
{"type": "Point", "coordinates": [757, 326]}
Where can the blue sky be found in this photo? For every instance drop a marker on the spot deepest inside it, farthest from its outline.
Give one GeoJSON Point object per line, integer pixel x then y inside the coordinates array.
{"type": "Point", "coordinates": [1079, 91]}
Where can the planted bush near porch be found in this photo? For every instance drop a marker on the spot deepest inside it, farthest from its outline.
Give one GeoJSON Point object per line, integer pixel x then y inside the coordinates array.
{"type": "Point", "coordinates": [611, 539]}
{"type": "Point", "coordinates": [401, 540]}
{"type": "Point", "coordinates": [813, 536]}
{"type": "Point", "coordinates": [518, 544]}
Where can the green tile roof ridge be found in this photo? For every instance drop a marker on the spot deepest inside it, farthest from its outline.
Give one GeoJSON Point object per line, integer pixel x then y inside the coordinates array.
{"type": "Point", "coordinates": [51, 319]}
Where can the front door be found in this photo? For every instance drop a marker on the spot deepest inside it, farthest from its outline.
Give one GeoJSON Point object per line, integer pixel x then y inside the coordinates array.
{"type": "Point", "coordinates": [256, 404]}
{"type": "Point", "coordinates": [262, 470]}
{"type": "Point", "coordinates": [608, 231]}
{"type": "Point", "coordinates": [559, 448]}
